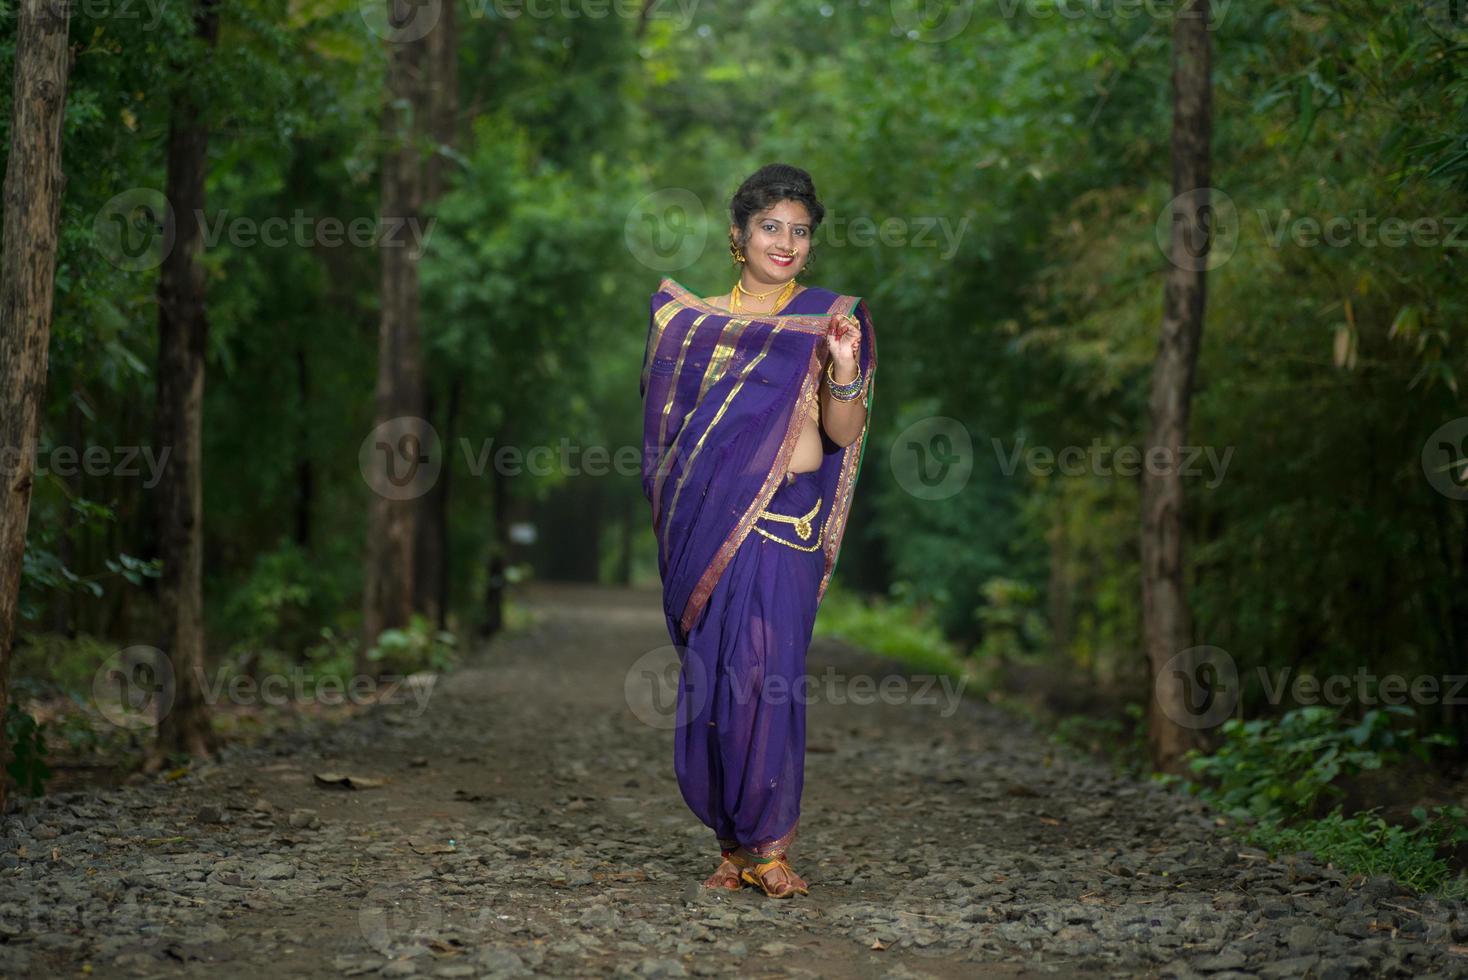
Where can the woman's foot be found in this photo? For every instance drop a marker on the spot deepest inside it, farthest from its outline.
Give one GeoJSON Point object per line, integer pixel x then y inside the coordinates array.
{"type": "Point", "coordinates": [727, 875]}
{"type": "Point", "coordinates": [773, 875]}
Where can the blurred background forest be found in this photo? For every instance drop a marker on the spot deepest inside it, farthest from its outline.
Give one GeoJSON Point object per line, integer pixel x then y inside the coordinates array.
{"type": "Point", "coordinates": [996, 177]}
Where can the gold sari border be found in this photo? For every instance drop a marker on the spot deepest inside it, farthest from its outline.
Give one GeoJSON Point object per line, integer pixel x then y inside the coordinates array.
{"type": "Point", "coordinates": [779, 845]}
{"type": "Point", "coordinates": [802, 322]}
{"type": "Point", "coordinates": [851, 459]}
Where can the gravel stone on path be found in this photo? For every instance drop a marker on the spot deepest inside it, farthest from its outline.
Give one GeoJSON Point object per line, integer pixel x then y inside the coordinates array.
{"type": "Point", "coordinates": [531, 825]}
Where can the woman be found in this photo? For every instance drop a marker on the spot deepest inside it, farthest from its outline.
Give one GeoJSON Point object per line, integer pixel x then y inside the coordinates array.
{"type": "Point", "coordinates": [754, 420]}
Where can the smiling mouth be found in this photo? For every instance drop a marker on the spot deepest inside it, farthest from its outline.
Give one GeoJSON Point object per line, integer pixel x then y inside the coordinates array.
{"type": "Point", "coordinates": [781, 260]}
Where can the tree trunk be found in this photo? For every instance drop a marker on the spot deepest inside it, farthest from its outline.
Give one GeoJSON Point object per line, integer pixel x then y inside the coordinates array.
{"type": "Point", "coordinates": [33, 185]}
{"type": "Point", "coordinates": [183, 331]}
{"type": "Point", "coordinates": [492, 618]}
{"type": "Point", "coordinates": [441, 98]}
{"type": "Point", "coordinates": [305, 462]}
{"type": "Point", "coordinates": [1173, 723]}
{"type": "Point", "coordinates": [399, 437]}
{"type": "Point", "coordinates": [431, 529]}
{"type": "Point", "coordinates": [433, 553]}
{"type": "Point", "coordinates": [1058, 595]}
{"type": "Point", "coordinates": [441, 106]}
{"type": "Point", "coordinates": [64, 605]}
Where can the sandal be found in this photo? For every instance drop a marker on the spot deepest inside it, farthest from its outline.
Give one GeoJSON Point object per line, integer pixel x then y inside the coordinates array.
{"type": "Point", "coordinates": [756, 873]}
{"type": "Point", "coordinates": [728, 875]}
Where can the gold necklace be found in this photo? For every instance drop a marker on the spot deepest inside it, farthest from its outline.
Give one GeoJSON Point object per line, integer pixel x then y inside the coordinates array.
{"type": "Point", "coordinates": [740, 286]}
{"type": "Point", "coordinates": [788, 289]}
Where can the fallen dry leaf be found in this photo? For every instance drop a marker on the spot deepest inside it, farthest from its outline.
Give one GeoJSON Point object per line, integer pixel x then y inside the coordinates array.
{"type": "Point", "coordinates": [349, 782]}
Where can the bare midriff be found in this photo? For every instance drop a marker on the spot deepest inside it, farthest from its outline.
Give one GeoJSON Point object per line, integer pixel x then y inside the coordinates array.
{"type": "Point", "coordinates": [807, 454]}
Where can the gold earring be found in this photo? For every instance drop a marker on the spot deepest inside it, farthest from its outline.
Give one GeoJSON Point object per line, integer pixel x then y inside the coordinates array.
{"type": "Point", "coordinates": [736, 250]}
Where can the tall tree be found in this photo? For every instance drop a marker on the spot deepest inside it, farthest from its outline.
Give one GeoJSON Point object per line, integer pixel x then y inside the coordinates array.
{"type": "Point", "coordinates": [431, 581]}
{"type": "Point", "coordinates": [183, 329]}
{"type": "Point", "coordinates": [391, 535]}
{"type": "Point", "coordinates": [33, 184]}
{"type": "Point", "coordinates": [1166, 628]}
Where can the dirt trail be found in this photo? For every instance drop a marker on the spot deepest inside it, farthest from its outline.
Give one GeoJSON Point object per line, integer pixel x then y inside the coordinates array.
{"type": "Point", "coordinates": [531, 825]}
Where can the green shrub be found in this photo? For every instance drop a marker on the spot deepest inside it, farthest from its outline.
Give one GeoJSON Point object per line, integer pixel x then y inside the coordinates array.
{"type": "Point", "coordinates": [1280, 769]}
{"type": "Point", "coordinates": [1123, 742]}
{"type": "Point", "coordinates": [892, 629]}
{"type": "Point", "coordinates": [1273, 774]}
{"type": "Point", "coordinates": [27, 744]}
{"type": "Point", "coordinates": [420, 646]}
{"type": "Point", "coordinates": [1366, 844]}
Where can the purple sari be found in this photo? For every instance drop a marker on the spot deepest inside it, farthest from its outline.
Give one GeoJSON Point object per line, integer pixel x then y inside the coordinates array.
{"type": "Point", "coordinates": [723, 398]}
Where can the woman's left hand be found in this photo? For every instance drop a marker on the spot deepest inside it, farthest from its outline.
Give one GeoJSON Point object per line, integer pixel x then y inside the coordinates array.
{"type": "Point", "coordinates": [843, 339]}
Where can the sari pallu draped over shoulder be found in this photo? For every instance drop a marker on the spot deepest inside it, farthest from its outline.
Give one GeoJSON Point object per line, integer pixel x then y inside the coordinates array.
{"type": "Point", "coordinates": [720, 393]}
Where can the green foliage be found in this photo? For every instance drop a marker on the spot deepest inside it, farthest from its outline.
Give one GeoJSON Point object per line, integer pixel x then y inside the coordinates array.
{"type": "Point", "coordinates": [415, 648]}
{"type": "Point", "coordinates": [1121, 741]}
{"type": "Point", "coordinates": [895, 629]}
{"type": "Point", "coordinates": [1011, 622]}
{"type": "Point", "coordinates": [51, 663]}
{"type": "Point", "coordinates": [1274, 774]}
{"type": "Point", "coordinates": [27, 745]}
{"type": "Point", "coordinates": [1280, 769]}
{"type": "Point", "coordinates": [1365, 843]}
{"type": "Point", "coordinates": [274, 606]}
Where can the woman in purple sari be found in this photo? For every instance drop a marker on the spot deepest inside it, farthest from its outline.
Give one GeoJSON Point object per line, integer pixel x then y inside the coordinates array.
{"type": "Point", "coordinates": [755, 407]}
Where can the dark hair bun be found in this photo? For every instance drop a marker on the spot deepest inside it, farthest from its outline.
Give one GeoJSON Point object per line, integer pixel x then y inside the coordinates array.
{"type": "Point", "coordinates": [768, 186]}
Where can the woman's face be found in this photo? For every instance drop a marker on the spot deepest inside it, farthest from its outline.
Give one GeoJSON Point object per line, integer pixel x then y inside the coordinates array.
{"type": "Point", "coordinates": [778, 242]}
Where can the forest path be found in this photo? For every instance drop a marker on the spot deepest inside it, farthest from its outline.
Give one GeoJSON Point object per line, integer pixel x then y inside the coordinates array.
{"type": "Point", "coordinates": [531, 825]}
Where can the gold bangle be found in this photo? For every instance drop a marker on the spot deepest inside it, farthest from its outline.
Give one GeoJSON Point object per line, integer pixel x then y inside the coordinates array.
{"type": "Point", "coordinates": [844, 390]}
